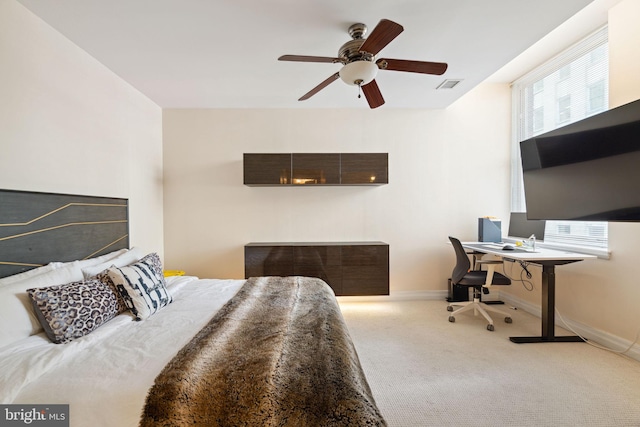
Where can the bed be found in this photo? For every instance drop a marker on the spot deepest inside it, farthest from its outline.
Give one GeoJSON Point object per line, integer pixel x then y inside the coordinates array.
{"type": "Point", "coordinates": [183, 350]}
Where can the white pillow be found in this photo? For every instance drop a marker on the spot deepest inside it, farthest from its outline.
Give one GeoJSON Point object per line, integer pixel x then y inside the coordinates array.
{"type": "Point", "coordinates": [100, 259]}
{"type": "Point", "coordinates": [17, 316]}
{"type": "Point", "coordinates": [124, 259]}
{"type": "Point", "coordinates": [29, 273]}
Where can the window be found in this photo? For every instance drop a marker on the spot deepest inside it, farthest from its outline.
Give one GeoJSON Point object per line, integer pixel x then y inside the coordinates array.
{"type": "Point", "coordinates": [598, 55]}
{"type": "Point", "coordinates": [538, 119]}
{"type": "Point", "coordinates": [597, 101]}
{"type": "Point", "coordinates": [564, 109]}
{"type": "Point", "coordinates": [538, 86]}
{"type": "Point", "coordinates": [564, 72]}
{"type": "Point", "coordinates": [572, 86]}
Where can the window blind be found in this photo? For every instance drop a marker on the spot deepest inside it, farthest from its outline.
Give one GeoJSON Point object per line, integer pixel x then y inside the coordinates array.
{"type": "Point", "coordinates": [570, 87]}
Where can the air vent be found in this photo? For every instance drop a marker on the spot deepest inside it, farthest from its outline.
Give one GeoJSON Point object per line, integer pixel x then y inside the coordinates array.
{"type": "Point", "coordinates": [448, 84]}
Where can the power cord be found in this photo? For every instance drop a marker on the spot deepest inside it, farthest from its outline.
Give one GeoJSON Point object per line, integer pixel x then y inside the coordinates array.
{"type": "Point", "coordinates": [620, 352]}
{"type": "Point", "coordinates": [527, 283]}
{"type": "Point", "coordinates": [524, 266]}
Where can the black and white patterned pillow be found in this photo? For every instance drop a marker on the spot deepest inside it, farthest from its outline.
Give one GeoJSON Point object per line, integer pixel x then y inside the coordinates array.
{"type": "Point", "coordinates": [71, 311]}
{"type": "Point", "coordinates": [142, 286]}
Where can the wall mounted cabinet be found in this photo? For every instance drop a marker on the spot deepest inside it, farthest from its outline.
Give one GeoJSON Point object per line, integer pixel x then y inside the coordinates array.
{"type": "Point", "coordinates": [364, 168]}
{"type": "Point", "coordinates": [350, 268]}
{"type": "Point", "coordinates": [267, 169]}
{"type": "Point", "coordinates": [315, 169]}
{"type": "Point", "coordinates": [275, 169]}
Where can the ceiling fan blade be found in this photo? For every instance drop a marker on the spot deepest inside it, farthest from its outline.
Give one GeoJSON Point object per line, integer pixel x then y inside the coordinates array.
{"type": "Point", "coordinates": [304, 58]}
{"type": "Point", "coordinates": [412, 66]}
{"type": "Point", "coordinates": [321, 86]}
{"type": "Point", "coordinates": [381, 36]}
{"type": "Point", "coordinates": [372, 93]}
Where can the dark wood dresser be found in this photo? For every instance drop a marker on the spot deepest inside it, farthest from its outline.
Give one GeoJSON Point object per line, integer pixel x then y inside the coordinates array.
{"type": "Point", "coordinates": [350, 268]}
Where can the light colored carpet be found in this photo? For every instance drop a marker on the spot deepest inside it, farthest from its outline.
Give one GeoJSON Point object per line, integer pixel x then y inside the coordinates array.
{"type": "Point", "coordinates": [425, 371]}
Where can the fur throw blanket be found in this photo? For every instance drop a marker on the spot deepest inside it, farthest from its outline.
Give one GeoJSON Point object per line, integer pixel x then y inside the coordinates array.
{"type": "Point", "coordinates": [277, 354]}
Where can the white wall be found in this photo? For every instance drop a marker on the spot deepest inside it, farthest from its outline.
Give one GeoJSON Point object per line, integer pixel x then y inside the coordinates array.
{"type": "Point", "coordinates": [69, 125]}
{"type": "Point", "coordinates": [446, 168]}
{"type": "Point", "coordinates": [603, 295]}
{"type": "Point", "coordinates": [624, 36]}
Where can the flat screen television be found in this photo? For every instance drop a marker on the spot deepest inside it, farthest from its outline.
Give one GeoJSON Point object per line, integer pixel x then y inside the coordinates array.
{"type": "Point", "coordinates": [587, 171]}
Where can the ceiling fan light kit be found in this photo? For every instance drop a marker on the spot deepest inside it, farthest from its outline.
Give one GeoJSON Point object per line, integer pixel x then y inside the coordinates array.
{"type": "Point", "coordinates": [359, 73]}
{"type": "Point", "coordinates": [360, 66]}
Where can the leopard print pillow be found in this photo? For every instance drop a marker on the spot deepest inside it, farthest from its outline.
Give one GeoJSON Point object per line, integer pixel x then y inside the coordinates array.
{"type": "Point", "coordinates": [104, 278]}
{"type": "Point", "coordinates": [71, 311]}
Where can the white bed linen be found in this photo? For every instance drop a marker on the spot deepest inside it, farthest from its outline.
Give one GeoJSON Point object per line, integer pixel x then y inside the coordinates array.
{"type": "Point", "coordinates": [105, 376]}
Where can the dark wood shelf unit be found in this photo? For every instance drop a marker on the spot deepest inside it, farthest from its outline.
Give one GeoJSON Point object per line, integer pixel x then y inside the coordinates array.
{"type": "Point", "coordinates": [350, 268]}
{"type": "Point", "coordinates": [277, 169]}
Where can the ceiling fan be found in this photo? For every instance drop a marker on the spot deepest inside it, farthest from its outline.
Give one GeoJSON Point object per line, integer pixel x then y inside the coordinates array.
{"type": "Point", "coordinates": [360, 65]}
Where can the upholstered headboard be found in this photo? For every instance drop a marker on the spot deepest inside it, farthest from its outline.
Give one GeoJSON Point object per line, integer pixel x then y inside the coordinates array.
{"type": "Point", "coordinates": [38, 228]}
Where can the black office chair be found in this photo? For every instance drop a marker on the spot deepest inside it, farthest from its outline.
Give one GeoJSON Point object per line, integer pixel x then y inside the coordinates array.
{"type": "Point", "coordinates": [479, 280]}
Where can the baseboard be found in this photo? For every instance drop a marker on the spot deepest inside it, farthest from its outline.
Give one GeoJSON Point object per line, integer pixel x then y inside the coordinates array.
{"type": "Point", "coordinates": [600, 338]}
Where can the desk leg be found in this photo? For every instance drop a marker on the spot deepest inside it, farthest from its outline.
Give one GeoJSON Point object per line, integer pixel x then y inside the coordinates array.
{"type": "Point", "coordinates": [548, 302]}
{"type": "Point", "coordinates": [548, 311]}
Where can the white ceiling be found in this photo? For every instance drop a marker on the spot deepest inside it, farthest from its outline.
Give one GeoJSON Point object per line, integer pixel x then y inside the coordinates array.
{"type": "Point", "coordinates": [223, 53]}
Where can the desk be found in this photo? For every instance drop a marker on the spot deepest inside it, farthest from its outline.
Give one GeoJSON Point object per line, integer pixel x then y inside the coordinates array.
{"type": "Point", "coordinates": [548, 259]}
